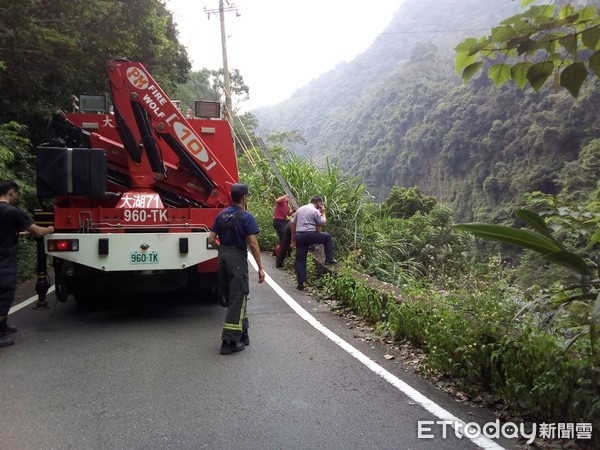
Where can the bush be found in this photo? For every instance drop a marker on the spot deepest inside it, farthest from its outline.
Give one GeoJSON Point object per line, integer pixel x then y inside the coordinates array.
{"type": "Point", "coordinates": [344, 196]}
{"type": "Point", "coordinates": [404, 203]}
{"type": "Point", "coordinates": [16, 163]}
{"type": "Point", "coordinates": [470, 336]}
{"type": "Point", "coordinates": [26, 260]}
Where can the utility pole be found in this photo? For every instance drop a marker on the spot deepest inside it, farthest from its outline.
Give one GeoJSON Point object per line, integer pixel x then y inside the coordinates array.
{"type": "Point", "coordinates": [226, 77]}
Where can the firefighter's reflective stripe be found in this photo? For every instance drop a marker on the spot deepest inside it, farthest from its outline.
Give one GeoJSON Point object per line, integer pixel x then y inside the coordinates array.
{"type": "Point", "coordinates": [243, 315]}
{"type": "Point", "coordinates": [233, 279]}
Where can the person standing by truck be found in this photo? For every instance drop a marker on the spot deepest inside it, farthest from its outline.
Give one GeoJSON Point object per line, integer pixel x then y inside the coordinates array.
{"type": "Point", "coordinates": [236, 229]}
{"type": "Point", "coordinates": [12, 221]}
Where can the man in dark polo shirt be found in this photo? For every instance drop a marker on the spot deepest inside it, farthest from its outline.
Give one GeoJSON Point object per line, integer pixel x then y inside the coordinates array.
{"type": "Point", "coordinates": [12, 221]}
{"type": "Point", "coordinates": [236, 229]}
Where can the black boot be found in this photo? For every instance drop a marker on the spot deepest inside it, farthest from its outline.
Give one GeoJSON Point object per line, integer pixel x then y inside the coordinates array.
{"type": "Point", "coordinates": [231, 347]}
{"type": "Point", "coordinates": [5, 328]}
{"type": "Point", "coordinates": [6, 340]}
{"type": "Point", "coordinates": [245, 338]}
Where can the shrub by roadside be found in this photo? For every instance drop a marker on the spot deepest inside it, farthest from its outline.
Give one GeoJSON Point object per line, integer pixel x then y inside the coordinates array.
{"type": "Point", "coordinates": [469, 336]}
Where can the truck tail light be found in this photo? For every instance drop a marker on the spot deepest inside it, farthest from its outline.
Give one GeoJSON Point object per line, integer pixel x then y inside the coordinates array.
{"type": "Point", "coordinates": [63, 245]}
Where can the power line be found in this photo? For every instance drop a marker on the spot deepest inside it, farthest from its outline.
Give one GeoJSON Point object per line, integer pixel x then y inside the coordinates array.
{"type": "Point", "coordinates": [433, 31]}
{"type": "Point", "coordinates": [228, 8]}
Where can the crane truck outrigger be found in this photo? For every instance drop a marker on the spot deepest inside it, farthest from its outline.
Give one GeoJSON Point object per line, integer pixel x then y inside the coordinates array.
{"type": "Point", "coordinates": [135, 192]}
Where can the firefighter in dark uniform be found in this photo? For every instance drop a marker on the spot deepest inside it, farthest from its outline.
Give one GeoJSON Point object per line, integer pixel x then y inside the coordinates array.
{"type": "Point", "coordinates": [12, 221]}
{"type": "Point", "coordinates": [237, 230]}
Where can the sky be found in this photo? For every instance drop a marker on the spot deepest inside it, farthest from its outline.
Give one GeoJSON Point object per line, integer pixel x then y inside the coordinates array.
{"type": "Point", "coordinates": [279, 46]}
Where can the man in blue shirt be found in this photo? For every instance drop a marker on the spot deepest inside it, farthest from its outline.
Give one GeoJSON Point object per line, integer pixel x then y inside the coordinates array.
{"type": "Point", "coordinates": [236, 229]}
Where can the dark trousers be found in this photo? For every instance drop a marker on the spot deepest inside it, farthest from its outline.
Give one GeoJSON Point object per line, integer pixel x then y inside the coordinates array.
{"type": "Point", "coordinates": [233, 281]}
{"type": "Point", "coordinates": [284, 245]}
{"type": "Point", "coordinates": [279, 225]}
{"type": "Point", "coordinates": [7, 293]}
{"type": "Point", "coordinates": [8, 281]}
{"type": "Point", "coordinates": [304, 239]}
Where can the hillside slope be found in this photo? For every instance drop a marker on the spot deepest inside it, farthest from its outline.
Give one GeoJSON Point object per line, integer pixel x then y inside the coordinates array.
{"type": "Point", "coordinates": [416, 25]}
{"type": "Point", "coordinates": [399, 115]}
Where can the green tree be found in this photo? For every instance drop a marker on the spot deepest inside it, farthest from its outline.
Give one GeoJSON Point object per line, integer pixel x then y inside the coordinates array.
{"type": "Point", "coordinates": [239, 90]}
{"type": "Point", "coordinates": [285, 137]}
{"type": "Point", "coordinates": [197, 87]}
{"type": "Point", "coordinates": [16, 164]}
{"type": "Point", "coordinates": [579, 178]}
{"type": "Point", "coordinates": [580, 300]}
{"type": "Point", "coordinates": [406, 202]}
{"type": "Point", "coordinates": [207, 85]}
{"type": "Point", "coordinates": [15, 155]}
{"type": "Point", "coordinates": [559, 42]}
{"type": "Point", "coordinates": [57, 48]}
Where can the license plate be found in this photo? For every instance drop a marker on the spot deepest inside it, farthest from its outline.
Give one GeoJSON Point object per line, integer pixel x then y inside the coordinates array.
{"type": "Point", "coordinates": [143, 258]}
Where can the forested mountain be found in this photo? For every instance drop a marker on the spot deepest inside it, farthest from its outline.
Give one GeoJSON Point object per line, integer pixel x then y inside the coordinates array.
{"type": "Point", "coordinates": [399, 115]}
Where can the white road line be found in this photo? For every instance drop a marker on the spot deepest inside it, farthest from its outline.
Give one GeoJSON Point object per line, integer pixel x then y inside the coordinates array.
{"type": "Point", "coordinates": [407, 390]}
{"type": "Point", "coordinates": [29, 301]}
{"type": "Point", "coordinates": [415, 395]}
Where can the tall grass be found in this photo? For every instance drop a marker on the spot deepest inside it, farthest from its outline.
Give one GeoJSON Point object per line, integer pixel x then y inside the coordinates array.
{"type": "Point", "coordinates": [353, 219]}
{"type": "Point", "coordinates": [365, 235]}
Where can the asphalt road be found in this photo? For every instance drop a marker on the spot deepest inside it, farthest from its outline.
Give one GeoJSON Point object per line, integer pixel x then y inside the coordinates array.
{"type": "Point", "coordinates": [147, 374]}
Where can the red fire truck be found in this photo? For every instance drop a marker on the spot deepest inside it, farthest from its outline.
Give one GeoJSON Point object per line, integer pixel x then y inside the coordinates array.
{"type": "Point", "coordinates": [135, 191]}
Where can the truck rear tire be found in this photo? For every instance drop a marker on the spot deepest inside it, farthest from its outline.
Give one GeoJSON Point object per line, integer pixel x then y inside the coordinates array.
{"type": "Point", "coordinates": [61, 292]}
